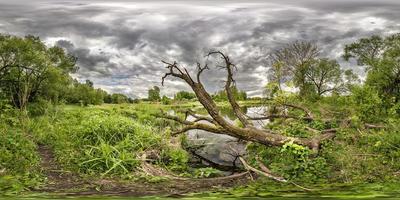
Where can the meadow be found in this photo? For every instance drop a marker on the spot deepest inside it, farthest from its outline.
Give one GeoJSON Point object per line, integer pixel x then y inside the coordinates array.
{"type": "Point", "coordinates": [100, 149]}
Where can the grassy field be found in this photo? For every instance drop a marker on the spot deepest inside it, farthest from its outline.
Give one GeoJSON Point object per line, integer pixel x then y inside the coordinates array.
{"type": "Point", "coordinates": [68, 145]}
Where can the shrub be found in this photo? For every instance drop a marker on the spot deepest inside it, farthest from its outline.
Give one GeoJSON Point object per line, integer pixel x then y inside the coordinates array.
{"type": "Point", "coordinates": [175, 159]}
{"type": "Point", "coordinates": [367, 103]}
{"type": "Point", "coordinates": [18, 153]}
{"type": "Point", "coordinates": [18, 161]}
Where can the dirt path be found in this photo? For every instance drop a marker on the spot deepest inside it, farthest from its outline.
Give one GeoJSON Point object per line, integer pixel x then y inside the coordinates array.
{"type": "Point", "coordinates": [57, 179]}
{"type": "Point", "coordinates": [67, 183]}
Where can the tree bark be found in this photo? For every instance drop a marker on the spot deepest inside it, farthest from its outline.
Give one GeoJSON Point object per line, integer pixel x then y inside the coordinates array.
{"type": "Point", "coordinates": [221, 126]}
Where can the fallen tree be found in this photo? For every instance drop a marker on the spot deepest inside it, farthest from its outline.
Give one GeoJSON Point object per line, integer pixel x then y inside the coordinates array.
{"type": "Point", "coordinates": [216, 123]}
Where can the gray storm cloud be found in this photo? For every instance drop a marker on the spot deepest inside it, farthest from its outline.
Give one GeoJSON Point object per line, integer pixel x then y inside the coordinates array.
{"type": "Point", "coordinates": [120, 44]}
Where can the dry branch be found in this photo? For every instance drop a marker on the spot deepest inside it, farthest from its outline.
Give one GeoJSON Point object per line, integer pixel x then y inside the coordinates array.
{"type": "Point", "coordinates": [220, 125]}
{"type": "Point", "coordinates": [250, 168]}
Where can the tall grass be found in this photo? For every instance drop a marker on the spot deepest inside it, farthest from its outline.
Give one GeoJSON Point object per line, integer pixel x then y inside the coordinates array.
{"type": "Point", "coordinates": [106, 140]}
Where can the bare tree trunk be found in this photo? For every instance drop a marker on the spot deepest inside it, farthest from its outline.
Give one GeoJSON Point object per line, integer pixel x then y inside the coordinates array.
{"type": "Point", "coordinates": [221, 126]}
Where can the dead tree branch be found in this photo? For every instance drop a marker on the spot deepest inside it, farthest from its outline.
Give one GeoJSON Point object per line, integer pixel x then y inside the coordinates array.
{"type": "Point", "coordinates": [220, 125]}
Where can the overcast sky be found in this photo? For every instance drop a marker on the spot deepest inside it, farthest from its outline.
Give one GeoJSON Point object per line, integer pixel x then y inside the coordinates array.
{"type": "Point", "coordinates": [120, 44]}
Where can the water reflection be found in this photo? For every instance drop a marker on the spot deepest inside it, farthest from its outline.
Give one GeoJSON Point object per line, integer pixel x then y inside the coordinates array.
{"type": "Point", "coordinates": [222, 149]}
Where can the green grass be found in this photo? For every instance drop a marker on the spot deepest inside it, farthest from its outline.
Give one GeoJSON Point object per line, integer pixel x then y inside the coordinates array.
{"type": "Point", "coordinates": [108, 141]}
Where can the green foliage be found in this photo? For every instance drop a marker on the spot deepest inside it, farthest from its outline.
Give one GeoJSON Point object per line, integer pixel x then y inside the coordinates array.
{"type": "Point", "coordinates": [29, 69]}
{"type": "Point", "coordinates": [175, 159]}
{"type": "Point", "coordinates": [183, 95]}
{"type": "Point", "coordinates": [388, 145]}
{"type": "Point", "coordinates": [298, 64]}
{"type": "Point", "coordinates": [381, 57]}
{"type": "Point", "coordinates": [154, 94]}
{"type": "Point", "coordinates": [207, 172]}
{"type": "Point", "coordinates": [292, 161]}
{"type": "Point", "coordinates": [165, 100]}
{"type": "Point", "coordinates": [18, 152]}
{"type": "Point", "coordinates": [117, 99]}
{"type": "Point", "coordinates": [38, 108]}
{"type": "Point", "coordinates": [324, 75]}
{"type": "Point", "coordinates": [95, 141]}
{"type": "Point", "coordinates": [238, 95]}
{"type": "Point", "coordinates": [106, 140]}
{"type": "Point", "coordinates": [368, 104]}
{"type": "Point", "coordinates": [84, 94]}
{"type": "Point", "coordinates": [18, 160]}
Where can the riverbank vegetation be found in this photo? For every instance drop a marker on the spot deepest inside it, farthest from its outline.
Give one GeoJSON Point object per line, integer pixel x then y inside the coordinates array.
{"type": "Point", "coordinates": [332, 128]}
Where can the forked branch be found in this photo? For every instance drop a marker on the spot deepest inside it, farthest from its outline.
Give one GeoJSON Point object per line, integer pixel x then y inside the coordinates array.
{"type": "Point", "coordinates": [218, 124]}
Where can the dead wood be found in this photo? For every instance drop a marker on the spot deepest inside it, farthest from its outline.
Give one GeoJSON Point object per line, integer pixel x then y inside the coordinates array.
{"type": "Point", "coordinates": [219, 125]}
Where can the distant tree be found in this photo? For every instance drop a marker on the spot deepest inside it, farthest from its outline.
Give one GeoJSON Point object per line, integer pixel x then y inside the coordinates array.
{"type": "Point", "coordinates": [183, 95]}
{"type": "Point", "coordinates": [136, 100]}
{"type": "Point", "coordinates": [351, 79]}
{"type": "Point", "coordinates": [89, 83]}
{"type": "Point", "coordinates": [165, 100]}
{"type": "Point", "coordinates": [119, 98]}
{"type": "Point", "coordinates": [381, 57]}
{"type": "Point", "coordinates": [85, 94]}
{"type": "Point", "coordinates": [108, 98]}
{"type": "Point", "coordinates": [324, 76]}
{"type": "Point", "coordinates": [291, 63]}
{"type": "Point", "coordinates": [222, 95]}
{"type": "Point", "coordinates": [154, 94]}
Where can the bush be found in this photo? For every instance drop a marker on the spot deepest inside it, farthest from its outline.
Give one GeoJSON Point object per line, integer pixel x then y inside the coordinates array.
{"type": "Point", "coordinates": [294, 162]}
{"type": "Point", "coordinates": [38, 108]}
{"type": "Point", "coordinates": [368, 104]}
{"type": "Point", "coordinates": [18, 161]}
{"type": "Point", "coordinates": [175, 159]}
{"type": "Point", "coordinates": [18, 153]}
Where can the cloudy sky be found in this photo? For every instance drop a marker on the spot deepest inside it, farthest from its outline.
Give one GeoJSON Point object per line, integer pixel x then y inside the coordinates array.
{"type": "Point", "coordinates": [120, 44]}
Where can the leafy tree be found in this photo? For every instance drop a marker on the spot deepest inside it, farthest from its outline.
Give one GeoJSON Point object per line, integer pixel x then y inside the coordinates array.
{"type": "Point", "coordinates": [183, 95]}
{"type": "Point", "coordinates": [85, 94]}
{"type": "Point", "coordinates": [165, 100]}
{"type": "Point", "coordinates": [119, 98]}
{"type": "Point", "coordinates": [324, 76]}
{"type": "Point", "coordinates": [351, 79]}
{"type": "Point", "coordinates": [381, 58]}
{"type": "Point", "coordinates": [299, 64]}
{"type": "Point", "coordinates": [222, 95]}
{"type": "Point", "coordinates": [154, 94]}
{"type": "Point", "coordinates": [108, 98]}
{"type": "Point", "coordinates": [28, 68]}
{"type": "Point", "coordinates": [291, 63]}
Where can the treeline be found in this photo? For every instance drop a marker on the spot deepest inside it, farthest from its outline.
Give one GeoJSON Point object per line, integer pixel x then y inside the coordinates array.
{"type": "Point", "coordinates": [32, 72]}
{"type": "Point", "coordinates": [154, 96]}
{"type": "Point", "coordinates": [86, 94]}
